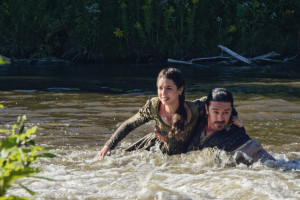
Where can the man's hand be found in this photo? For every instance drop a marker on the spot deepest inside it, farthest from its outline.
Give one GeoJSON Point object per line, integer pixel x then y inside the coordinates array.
{"type": "Point", "coordinates": [159, 136]}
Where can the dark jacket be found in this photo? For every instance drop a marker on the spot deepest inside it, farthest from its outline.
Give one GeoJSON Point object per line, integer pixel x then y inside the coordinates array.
{"type": "Point", "coordinates": [230, 139]}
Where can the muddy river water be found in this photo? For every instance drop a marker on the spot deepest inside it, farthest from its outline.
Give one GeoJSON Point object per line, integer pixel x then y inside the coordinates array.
{"type": "Point", "coordinates": [78, 108]}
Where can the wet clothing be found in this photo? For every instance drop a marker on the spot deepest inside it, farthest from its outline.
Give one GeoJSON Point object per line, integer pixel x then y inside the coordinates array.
{"type": "Point", "coordinates": [229, 139]}
{"type": "Point", "coordinates": [232, 139]}
{"type": "Point", "coordinates": [150, 111]}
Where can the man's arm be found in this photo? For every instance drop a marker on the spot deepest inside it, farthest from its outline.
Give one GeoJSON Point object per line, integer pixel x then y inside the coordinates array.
{"type": "Point", "coordinates": [254, 152]}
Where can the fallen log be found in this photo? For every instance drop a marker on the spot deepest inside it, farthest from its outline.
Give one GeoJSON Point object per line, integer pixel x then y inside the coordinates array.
{"type": "Point", "coordinates": [267, 60]}
{"type": "Point", "coordinates": [271, 54]}
{"type": "Point", "coordinates": [229, 62]}
{"type": "Point", "coordinates": [179, 62]}
{"type": "Point", "coordinates": [292, 58]}
{"type": "Point", "coordinates": [216, 58]}
{"type": "Point", "coordinates": [224, 60]}
{"type": "Point", "coordinates": [235, 55]}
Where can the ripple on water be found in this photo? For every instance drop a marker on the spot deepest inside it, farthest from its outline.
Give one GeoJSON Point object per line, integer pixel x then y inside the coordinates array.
{"type": "Point", "coordinates": [268, 109]}
{"type": "Point", "coordinates": [58, 89]}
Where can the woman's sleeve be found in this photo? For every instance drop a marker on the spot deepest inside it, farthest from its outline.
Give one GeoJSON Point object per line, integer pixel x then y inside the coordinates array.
{"type": "Point", "coordinates": [200, 103]}
{"type": "Point", "coordinates": [144, 115]}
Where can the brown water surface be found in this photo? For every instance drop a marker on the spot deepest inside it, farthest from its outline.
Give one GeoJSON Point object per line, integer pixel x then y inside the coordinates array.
{"type": "Point", "coordinates": [77, 110]}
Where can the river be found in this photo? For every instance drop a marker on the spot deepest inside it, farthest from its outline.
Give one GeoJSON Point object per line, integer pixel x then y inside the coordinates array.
{"type": "Point", "coordinates": [78, 108]}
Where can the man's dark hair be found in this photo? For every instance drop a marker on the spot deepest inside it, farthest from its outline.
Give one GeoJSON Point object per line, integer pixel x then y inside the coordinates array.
{"type": "Point", "coordinates": [219, 94]}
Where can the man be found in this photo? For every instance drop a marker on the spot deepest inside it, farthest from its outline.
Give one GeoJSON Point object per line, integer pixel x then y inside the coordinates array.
{"type": "Point", "coordinates": [216, 130]}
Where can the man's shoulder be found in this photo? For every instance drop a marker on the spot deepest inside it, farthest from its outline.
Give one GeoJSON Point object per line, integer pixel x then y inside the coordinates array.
{"type": "Point", "coordinates": [236, 133]}
{"type": "Point", "coordinates": [229, 140]}
{"type": "Point", "coordinates": [233, 129]}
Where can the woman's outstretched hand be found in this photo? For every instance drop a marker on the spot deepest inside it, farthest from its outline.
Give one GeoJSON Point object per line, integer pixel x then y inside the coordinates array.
{"type": "Point", "coordinates": [159, 136]}
{"type": "Point", "coordinates": [104, 151]}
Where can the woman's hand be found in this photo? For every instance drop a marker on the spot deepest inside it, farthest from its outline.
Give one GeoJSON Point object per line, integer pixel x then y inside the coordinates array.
{"type": "Point", "coordinates": [236, 120]}
{"type": "Point", "coordinates": [104, 151]}
{"type": "Point", "coordinates": [159, 136]}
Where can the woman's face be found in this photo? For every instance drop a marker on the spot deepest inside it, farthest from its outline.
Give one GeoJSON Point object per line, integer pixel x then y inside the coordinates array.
{"type": "Point", "coordinates": [167, 91]}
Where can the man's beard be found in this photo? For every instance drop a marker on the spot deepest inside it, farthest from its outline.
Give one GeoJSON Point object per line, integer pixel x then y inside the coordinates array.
{"type": "Point", "coordinates": [219, 125]}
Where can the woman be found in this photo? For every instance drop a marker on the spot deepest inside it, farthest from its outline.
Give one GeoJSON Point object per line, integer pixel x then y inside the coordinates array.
{"type": "Point", "coordinates": [175, 118]}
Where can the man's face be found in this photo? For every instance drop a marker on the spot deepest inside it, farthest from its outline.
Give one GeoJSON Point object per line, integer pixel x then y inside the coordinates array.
{"type": "Point", "coordinates": [219, 113]}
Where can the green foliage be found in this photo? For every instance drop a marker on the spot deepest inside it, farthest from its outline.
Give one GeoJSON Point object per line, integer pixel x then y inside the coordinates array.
{"type": "Point", "coordinates": [148, 17]}
{"type": "Point", "coordinates": [92, 30]}
{"type": "Point", "coordinates": [17, 154]}
{"type": "Point", "coordinates": [190, 25]}
{"type": "Point", "coordinates": [4, 62]}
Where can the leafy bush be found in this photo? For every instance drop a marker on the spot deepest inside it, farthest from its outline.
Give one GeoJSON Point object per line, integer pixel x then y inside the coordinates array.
{"type": "Point", "coordinates": [17, 154]}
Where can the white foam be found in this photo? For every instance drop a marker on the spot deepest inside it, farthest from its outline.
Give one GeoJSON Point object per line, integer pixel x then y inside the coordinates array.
{"type": "Point", "coordinates": [208, 174]}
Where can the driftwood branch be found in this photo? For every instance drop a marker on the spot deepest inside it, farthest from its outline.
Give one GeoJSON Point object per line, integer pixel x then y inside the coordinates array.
{"type": "Point", "coordinates": [179, 62]}
{"type": "Point", "coordinates": [235, 55]}
{"type": "Point", "coordinates": [271, 54]}
{"type": "Point", "coordinates": [191, 62]}
{"type": "Point", "coordinates": [262, 59]}
{"type": "Point", "coordinates": [216, 58]}
{"type": "Point", "coordinates": [287, 59]}
{"type": "Point", "coordinates": [266, 58]}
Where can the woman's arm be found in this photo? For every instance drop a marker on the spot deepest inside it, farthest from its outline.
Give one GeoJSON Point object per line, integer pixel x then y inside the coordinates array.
{"type": "Point", "coordinates": [159, 136]}
{"type": "Point", "coordinates": [144, 115]}
{"type": "Point", "coordinates": [104, 151]}
{"type": "Point", "coordinates": [200, 103]}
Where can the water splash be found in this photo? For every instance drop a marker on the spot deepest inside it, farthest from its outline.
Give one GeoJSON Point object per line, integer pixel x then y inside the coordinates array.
{"type": "Point", "coordinates": [206, 174]}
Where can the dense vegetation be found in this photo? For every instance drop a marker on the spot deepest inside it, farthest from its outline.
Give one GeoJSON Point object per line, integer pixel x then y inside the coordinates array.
{"type": "Point", "coordinates": [136, 31]}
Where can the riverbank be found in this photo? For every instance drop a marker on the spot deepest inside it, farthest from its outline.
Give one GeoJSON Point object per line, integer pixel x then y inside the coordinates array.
{"type": "Point", "coordinates": [224, 59]}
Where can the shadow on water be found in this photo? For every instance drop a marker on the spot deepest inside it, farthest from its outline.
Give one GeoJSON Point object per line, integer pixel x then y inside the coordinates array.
{"type": "Point", "coordinates": [275, 80]}
{"type": "Point", "coordinates": [110, 79]}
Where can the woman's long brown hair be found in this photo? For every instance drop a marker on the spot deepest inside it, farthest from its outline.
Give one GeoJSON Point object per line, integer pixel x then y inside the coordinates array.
{"type": "Point", "coordinates": [179, 118]}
